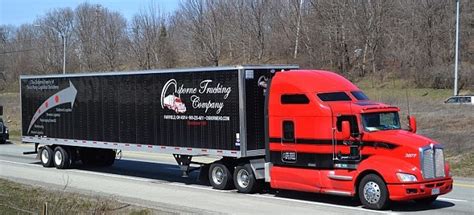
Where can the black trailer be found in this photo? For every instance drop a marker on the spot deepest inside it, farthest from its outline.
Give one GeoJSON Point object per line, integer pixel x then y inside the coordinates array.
{"type": "Point", "coordinates": [217, 111]}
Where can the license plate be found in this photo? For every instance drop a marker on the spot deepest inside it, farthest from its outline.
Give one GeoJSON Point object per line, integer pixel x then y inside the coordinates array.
{"type": "Point", "coordinates": [435, 191]}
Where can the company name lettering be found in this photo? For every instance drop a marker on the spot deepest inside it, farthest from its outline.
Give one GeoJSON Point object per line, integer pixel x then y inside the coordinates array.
{"type": "Point", "coordinates": [205, 87]}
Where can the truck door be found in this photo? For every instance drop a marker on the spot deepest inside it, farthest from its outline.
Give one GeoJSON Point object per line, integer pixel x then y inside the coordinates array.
{"type": "Point", "coordinates": [288, 141]}
{"type": "Point", "coordinates": [348, 151]}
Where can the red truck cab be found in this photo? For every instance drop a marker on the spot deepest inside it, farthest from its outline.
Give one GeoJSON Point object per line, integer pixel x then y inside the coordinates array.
{"type": "Point", "coordinates": [326, 136]}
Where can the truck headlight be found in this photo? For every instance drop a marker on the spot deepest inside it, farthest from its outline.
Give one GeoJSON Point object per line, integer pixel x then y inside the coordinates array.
{"type": "Point", "coordinates": [404, 177]}
{"type": "Point", "coordinates": [6, 130]}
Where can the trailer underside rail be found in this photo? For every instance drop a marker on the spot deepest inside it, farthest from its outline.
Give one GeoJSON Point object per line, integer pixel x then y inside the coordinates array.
{"type": "Point", "coordinates": [131, 147]}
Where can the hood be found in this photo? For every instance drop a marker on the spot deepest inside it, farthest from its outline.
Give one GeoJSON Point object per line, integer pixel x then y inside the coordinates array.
{"type": "Point", "coordinates": [398, 137]}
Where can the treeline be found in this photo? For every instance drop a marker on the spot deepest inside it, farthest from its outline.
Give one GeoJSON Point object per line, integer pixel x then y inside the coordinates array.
{"type": "Point", "coordinates": [409, 39]}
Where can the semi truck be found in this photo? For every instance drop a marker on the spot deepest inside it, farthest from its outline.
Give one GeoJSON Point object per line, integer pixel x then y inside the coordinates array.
{"type": "Point", "coordinates": [294, 129]}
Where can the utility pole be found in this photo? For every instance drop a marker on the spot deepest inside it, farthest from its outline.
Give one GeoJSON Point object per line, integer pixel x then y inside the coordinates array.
{"type": "Point", "coordinates": [64, 53]}
{"type": "Point", "coordinates": [298, 26]}
{"type": "Point", "coordinates": [456, 58]}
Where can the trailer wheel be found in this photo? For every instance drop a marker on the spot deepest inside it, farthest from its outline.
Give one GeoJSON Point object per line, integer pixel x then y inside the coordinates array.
{"type": "Point", "coordinates": [62, 160]}
{"type": "Point", "coordinates": [46, 156]}
{"type": "Point", "coordinates": [373, 192]}
{"type": "Point", "coordinates": [220, 176]}
{"type": "Point", "coordinates": [244, 179]}
{"type": "Point", "coordinates": [426, 201]}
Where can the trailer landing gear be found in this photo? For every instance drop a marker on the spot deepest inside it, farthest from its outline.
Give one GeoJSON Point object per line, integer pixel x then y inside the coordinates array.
{"type": "Point", "coordinates": [184, 163]}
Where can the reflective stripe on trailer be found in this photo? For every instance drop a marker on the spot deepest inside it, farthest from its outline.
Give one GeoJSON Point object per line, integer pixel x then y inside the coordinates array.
{"type": "Point", "coordinates": [132, 147]}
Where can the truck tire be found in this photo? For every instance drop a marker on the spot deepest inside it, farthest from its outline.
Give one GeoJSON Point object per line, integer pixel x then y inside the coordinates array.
{"type": "Point", "coordinates": [244, 179]}
{"type": "Point", "coordinates": [220, 177]}
{"type": "Point", "coordinates": [3, 141]}
{"type": "Point", "coordinates": [46, 156]}
{"type": "Point", "coordinates": [426, 201]}
{"type": "Point", "coordinates": [373, 192]}
{"type": "Point", "coordinates": [62, 160]}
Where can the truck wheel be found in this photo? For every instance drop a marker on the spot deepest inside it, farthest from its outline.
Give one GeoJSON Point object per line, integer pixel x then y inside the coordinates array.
{"type": "Point", "coordinates": [244, 179]}
{"type": "Point", "coordinates": [220, 176]}
{"type": "Point", "coordinates": [426, 201]}
{"type": "Point", "coordinates": [373, 192]}
{"type": "Point", "coordinates": [62, 160]}
{"type": "Point", "coordinates": [46, 156]}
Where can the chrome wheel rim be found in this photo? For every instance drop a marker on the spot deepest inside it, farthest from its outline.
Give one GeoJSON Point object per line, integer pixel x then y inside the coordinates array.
{"type": "Point", "coordinates": [58, 158]}
{"type": "Point", "coordinates": [44, 156]}
{"type": "Point", "coordinates": [218, 175]}
{"type": "Point", "coordinates": [243, 178]}
{"type": "Point", "coordinates": [372, 192]}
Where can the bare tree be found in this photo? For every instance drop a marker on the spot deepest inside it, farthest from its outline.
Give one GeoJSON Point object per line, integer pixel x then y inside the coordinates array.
{"type": "Point", "coordinates": [86, 30]}
{"type": "Point", "coordinates": [203, 23]}
{"type": "Point", "coordinates": [384, 38]}
{"type": "Point", "coordinates": [112, 31]}
{"type": "Point", "coordinates": [149, 39]}
{"type": "Point", "coordinates": [57, 27]}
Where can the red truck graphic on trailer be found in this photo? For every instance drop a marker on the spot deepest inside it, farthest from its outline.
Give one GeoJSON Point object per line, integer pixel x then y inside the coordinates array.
{"type": "Point", "coordinates": [174, 103]}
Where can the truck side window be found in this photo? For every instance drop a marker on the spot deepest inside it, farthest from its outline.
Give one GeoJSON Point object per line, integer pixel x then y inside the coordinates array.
{"type": "Point", "coordinates": [288, 131]}
{"type": "Point", "coordinates": [352, 121]}
{"type": "Point", "coordinates": [332, 97]}
{"type": "Point", "coordinates": [294, 99]}
{"type": "Point", "coordinates": [359, 95]}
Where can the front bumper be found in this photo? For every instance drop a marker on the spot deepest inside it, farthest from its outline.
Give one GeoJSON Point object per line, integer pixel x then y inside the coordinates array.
{"type": "Point", "coordinates": [410, 191]}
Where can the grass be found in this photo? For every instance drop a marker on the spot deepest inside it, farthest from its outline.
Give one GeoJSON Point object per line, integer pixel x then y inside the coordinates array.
{"type": "Point", "coordinates": [17, 198]}
{"type": "Point", "coordinates": [461, 165]}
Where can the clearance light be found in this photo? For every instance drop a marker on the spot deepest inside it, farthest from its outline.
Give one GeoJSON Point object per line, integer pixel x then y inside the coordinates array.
{"type": "Point", "coordinates": [403, 177]}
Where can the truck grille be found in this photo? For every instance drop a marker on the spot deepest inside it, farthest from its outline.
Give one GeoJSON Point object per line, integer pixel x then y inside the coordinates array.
{"type": "Point", "coordinates": [432, 162]}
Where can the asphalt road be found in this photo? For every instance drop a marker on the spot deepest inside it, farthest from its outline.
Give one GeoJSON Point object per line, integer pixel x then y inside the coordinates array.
{"type": "Point", "coordinates": [155, 181]}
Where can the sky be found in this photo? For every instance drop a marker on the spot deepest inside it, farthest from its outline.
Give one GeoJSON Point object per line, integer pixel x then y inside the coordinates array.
{"type": "Point", "coordinates": [18, 12]}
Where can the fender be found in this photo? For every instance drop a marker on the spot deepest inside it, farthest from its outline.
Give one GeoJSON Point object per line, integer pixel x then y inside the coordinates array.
{"type": "Point", "coordinates": [387, 167]}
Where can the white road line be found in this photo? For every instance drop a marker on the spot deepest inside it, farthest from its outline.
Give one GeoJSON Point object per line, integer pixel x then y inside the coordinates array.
{"type": "Point", "coordinates": [111, 175]}
{"type": "Point", "coordinates": [13, 162]}
{"type": "Point", "coordinates": [199, 187]}
{"type": "Point", "coordinates": [321, 204]}
{"type": "Point", "coordinates": [85, 171]}
{"type": "Point", "coordinates": [454, 200]}
{"type": "Point", "coordinates": [221, 191]}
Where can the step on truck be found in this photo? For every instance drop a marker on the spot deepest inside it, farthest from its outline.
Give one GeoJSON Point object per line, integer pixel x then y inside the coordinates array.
{"type": "Point", "coordinates": [303, 130]}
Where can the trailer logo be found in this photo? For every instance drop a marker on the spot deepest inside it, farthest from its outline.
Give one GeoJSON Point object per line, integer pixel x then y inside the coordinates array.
{"type": "Point", "coordinates": [67, 95]}
{"type": "Point", "coordinates": [172, 99]}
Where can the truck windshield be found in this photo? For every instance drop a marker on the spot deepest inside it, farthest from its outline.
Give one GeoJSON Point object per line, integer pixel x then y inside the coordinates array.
{"type": "Point", "coordinates": [381, 121]}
